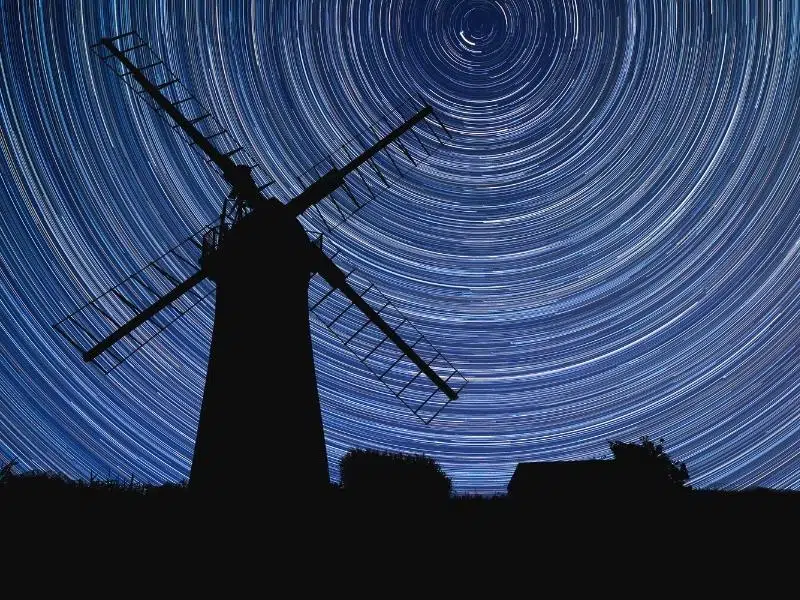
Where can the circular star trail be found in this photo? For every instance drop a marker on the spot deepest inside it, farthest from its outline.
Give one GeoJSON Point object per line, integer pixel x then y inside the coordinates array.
{"type": "Point", "coordinates": [609, 247]}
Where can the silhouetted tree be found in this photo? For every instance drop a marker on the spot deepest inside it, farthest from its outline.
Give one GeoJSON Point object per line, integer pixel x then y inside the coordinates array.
{"type": "Point", "coordinates": [648, 465]}
{"type": "Point", "coordinates": [393, 475]}
{"type": "Point", "coordinates": [7, 470]}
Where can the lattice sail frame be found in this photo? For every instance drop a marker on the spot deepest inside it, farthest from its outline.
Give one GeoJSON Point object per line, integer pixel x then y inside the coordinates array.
{"type": "Point", "coordinates": [368, 344]}
{"type": "Point", "coordinates": [139, 52]}
{"type": "Point", "coordinates": [108, 311]}
{"type": "Point", "coordinates": [408, 152]}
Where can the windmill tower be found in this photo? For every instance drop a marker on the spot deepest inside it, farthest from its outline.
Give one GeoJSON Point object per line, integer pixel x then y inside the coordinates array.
{"type": "Point", "coordinates": [260, 406]}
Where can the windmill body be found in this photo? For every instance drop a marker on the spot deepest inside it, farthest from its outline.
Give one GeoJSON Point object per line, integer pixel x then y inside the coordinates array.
{"type": "Point", "coordinates": [261, 414]}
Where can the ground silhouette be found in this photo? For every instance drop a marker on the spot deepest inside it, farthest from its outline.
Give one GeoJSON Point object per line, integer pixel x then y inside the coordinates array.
{"type": "Point", "coordinates": [384, 496]}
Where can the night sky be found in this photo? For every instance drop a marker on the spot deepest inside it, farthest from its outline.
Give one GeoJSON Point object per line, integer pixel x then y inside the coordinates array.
{"type": "Point", "coordinates": [608, 248]}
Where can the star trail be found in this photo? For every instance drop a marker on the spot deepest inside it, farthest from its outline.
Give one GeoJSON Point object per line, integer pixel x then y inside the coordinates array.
{"type": "Point", "coordinates": [609, 246]}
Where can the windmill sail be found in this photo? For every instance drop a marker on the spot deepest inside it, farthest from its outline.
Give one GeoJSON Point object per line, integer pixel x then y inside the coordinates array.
{"type": "Point", "coordinates": [403, 138]}
{"type": "Point", "coordinates": [133, 60]}
{"type": "Point", "coordinates": [116, 324]}
{"type": "Point", "coordinates": [366, 322]}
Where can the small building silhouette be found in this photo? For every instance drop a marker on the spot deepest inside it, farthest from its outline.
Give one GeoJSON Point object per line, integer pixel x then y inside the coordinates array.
{"type": "Point", "coordinates": [543, 480]}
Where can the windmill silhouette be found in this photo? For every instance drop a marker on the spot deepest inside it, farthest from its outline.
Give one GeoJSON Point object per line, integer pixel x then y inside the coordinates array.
{"type": "Point", "coordinates": [260, 401]}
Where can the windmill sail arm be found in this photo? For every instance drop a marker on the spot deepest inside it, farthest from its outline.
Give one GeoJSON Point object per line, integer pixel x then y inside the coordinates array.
{"type": "Point", "coordinates": [144, 315]}
{"type": "Point", "coordinates": [337, 279]}
{"type": "Point", "coordinates": [315, 192]}
{"type": "Point", "coordinates": [335, 177]}
{"type": "Point", "coordinates": [384, 142]}
{"type": "Point", "coordinates": [225, 164]}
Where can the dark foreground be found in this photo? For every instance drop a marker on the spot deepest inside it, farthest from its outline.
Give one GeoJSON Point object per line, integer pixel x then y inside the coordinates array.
{"type": "Point", "coordinates": [255, 507]}
{"type": "Point", "coordinates": [254, 540]}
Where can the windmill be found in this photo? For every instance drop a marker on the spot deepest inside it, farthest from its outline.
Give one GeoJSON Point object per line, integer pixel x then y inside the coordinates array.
{"type": "Point", "coordinates": [260, 399]}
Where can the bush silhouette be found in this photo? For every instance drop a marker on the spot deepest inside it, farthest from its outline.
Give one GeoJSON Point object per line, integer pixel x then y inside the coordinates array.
{"type": "Point", "coordinates": [393, 475]}
{"type": "Point", "coordinates": [7, 471]}
{"type": "Point", "coordinates": [647, 466]}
